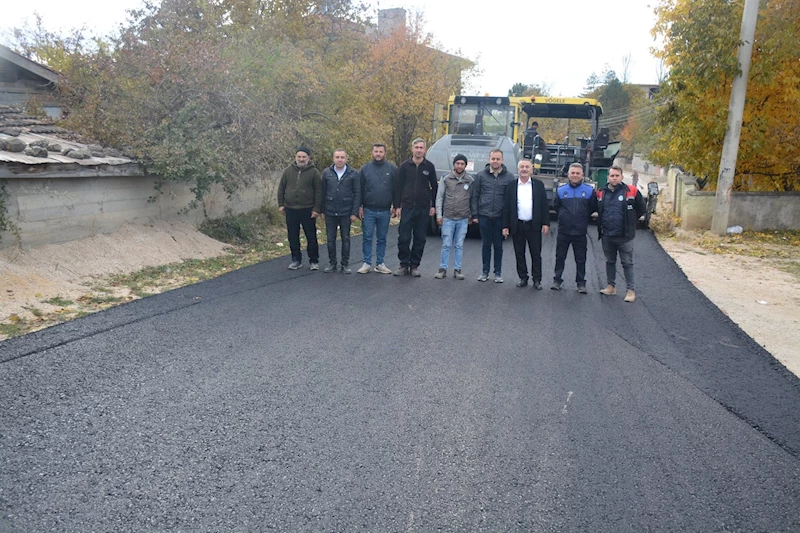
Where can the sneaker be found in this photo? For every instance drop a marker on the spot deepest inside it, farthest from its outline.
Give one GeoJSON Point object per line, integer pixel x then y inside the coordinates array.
{"type": "Point", "coordinates": [382, 269]}
{"type": "Point", "coordinates": [483, 277]}
{"type": "Point", "coordinates": [630, 296]}
{"type": "Point", "coordinates": [522, 283]}
{"type": "Point", "coordinates": [537, 285]}
{"type": "Point", "coordinates": [609, 291]}
{"type": "Point", "coordinates": [441, 274]}
{"type": "Point", "coordinates": [346, 269]}
{"type": "Point", "coordinates": [415, 272]}
{"type": "Point", "coordinates": [313, 266]}
{"type": "Point", "coordinates": [401, 271]}
{"type": "Point", "coordinates": [294, 265]}
{"type": "Point", "coordinates": [556, 286]}
{"type": "Point", "coordinates": [330, 268]}
{"type": "Point", "coordinates": [457, 274]}
{"type": "Point", "coordinates": [582, 289]}
{"type": "Point", "coordinates": [498, 279]}
{"type": "Point", "coordinates": [365, 268]}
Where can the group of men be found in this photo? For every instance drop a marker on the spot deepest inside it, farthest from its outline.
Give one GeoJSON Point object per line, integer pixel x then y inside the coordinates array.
{"type": "Point", "coordinates": [501, 203]}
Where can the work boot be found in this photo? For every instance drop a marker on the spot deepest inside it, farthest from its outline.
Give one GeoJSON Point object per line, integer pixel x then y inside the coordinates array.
{"type": "Point", "coordinates": [330, 268]}
{"type": "Point", "coordinates": [457, 274]}
{"type": "Point", "coordinates": [630, 296]}
{"type": "Point", "coordinates": [365, 268]}
{"type": "Point", "coordinates": [609, 291]}
{"type": "Point", "coordinates": [441, 274]}
{"type": "Point", "coordinates": [382, 269]}
{"type": "Point", "coordinates": [415, 272]}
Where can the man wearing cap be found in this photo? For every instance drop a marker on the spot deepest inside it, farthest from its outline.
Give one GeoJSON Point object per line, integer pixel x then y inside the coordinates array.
{"type": "Point", "coordinates": [300, 200]}
{"type": "Point", "coordinates": [453, 215]}
{"type": "Point", "coordinates": [415, 204]}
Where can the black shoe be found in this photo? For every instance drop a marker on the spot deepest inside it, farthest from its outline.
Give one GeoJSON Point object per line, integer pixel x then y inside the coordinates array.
{"type": "Point", "coordinates": [522, 283]}
{"type": "Point", "coordinates": [537, 285]}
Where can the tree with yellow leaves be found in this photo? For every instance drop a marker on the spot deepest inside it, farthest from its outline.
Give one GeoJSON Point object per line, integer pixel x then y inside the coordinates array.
{"type": "Point", "coordinates": [701, 39]}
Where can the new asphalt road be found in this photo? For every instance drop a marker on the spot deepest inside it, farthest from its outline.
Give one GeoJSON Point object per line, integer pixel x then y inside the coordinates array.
{"type": "Point", "coordinates": [270, 399]}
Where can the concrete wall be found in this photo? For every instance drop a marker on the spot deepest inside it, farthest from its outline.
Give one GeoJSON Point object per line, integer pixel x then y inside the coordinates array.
{"type": "Point", "coordinates": [54, 210]}
{"type": "Point", "coordinates": [751, 210]}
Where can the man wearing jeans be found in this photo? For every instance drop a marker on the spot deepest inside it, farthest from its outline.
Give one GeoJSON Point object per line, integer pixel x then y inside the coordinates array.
{"type": "Point", "coordinates": [452, 214]}
{"type": "Point", "coordinates": [619, 207]}
{"type": "Point", "coordinates": [300, 200]}
{"type": "Point", "coordinates": [415, 201]}
{"type": "Point", "coordinates": [487, 210]}
{"type": "Point", "coordinates": [378, 179]}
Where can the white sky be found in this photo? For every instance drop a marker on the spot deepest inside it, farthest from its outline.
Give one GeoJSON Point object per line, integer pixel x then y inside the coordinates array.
{"type": "Point", "coordinates": [557, 42]}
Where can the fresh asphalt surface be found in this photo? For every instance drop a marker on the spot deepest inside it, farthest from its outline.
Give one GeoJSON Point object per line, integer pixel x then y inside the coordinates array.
{"type": "Point", "coordinates": [269, 399]}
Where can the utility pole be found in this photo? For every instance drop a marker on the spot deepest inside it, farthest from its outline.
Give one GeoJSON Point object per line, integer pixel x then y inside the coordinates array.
{"type": "Point", "coordinates": [730, 146]}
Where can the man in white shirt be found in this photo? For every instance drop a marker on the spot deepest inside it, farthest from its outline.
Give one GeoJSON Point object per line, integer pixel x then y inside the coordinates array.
{"type": "Point", "coordinates": [526, 217]}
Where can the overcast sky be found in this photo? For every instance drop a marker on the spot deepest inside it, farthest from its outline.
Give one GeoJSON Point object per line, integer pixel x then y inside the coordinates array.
{"type": "Point", "coordinates": [555, 42]}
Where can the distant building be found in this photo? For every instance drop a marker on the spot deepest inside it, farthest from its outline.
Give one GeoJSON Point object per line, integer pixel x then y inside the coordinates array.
{"type": "Point", "coordinates": [650, 90]}
{"type": "Point", "coordinates": [22, 79]}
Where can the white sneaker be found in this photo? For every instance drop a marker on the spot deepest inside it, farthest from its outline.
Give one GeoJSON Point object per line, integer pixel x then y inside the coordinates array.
{"type": "Point", "coordinates": [382, 269]}
{"type": "Point", "coordinates": [365, 269]}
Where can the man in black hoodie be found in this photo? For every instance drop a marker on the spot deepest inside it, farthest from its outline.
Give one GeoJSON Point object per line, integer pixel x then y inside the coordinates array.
{"type": "Point", "coordinates": [415, 201]}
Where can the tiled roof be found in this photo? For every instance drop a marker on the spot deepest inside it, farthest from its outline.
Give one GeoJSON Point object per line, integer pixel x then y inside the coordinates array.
{"type": "Point", "coordinates": [61, 145]}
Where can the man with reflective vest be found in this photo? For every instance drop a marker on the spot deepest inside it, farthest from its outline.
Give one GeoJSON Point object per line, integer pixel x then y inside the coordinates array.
{"type": "Point", "coordinates": [575, 202]}
{"type": "Point", "coordinates": [619, 207]}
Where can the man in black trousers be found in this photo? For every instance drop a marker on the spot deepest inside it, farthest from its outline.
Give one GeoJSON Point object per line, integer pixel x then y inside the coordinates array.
{"type": "Point", "coordinates": [526, 217]}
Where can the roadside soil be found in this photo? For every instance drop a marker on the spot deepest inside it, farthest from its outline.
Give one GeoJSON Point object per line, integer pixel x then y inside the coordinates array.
{"type": "Point", "coordinates": [753, 282]}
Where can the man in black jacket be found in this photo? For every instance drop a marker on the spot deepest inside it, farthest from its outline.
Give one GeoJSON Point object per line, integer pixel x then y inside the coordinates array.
{"type": "Point", "coordinates": [414, 203]}
{"type": "Point", "coordinates": [574, 202]}
{"type": "Point", "coordinates": [526, 217]}
{"type": "Point", "coordinates": [619, 207]}
{"type": "Point", "coordinates": [378, 180]}
{"type": "Point", "coordinates": [489, 190]}
{"type": "Point", "coordinates": [341, 197]}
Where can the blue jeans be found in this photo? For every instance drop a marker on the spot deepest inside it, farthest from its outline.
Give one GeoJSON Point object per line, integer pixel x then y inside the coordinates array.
{"type": "Point", "coordinates": [375, 222]}
{"type": "Point", "coordinates": [492, 237]}
{"type": "Point", "coordinates": [454, 231]}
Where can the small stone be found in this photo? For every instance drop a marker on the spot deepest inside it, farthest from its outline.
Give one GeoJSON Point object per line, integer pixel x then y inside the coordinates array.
{"type": "Point", "coordinates": [15, 145]}
{"type": "Point", "coordinates": [36, 151]}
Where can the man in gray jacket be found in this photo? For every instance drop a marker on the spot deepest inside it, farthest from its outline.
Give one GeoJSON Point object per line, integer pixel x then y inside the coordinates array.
{"type": "Point", "coordinates": [453, 215]}
{"type": "Point", "coordinates": [487, 210]}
